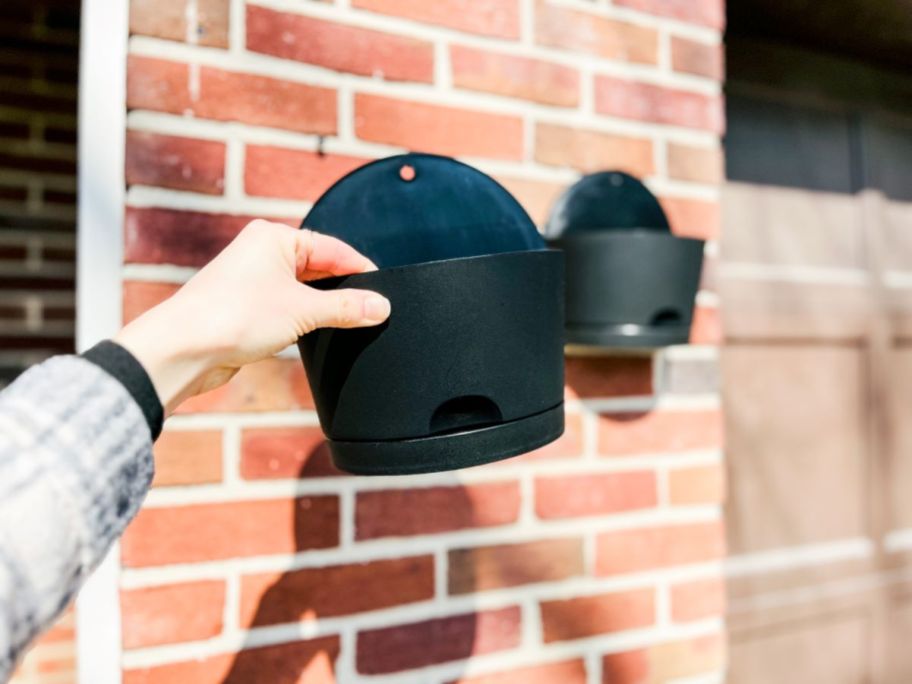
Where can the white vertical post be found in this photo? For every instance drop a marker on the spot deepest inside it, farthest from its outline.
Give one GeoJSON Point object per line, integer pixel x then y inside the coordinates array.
{"type": "Point", "coordinates": [102, 130]}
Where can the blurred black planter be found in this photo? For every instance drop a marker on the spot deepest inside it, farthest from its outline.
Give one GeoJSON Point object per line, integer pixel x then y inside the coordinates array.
{"type": "Point", "coordinates": [630, 282]}
{"type": "Point", "coordinates": [469, 367]}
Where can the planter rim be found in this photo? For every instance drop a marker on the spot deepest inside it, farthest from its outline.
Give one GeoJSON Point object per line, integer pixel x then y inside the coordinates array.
{"type": "Point", "coordinates": [611, 234]}
{"type": "Point", "coordinates": [410, 268]}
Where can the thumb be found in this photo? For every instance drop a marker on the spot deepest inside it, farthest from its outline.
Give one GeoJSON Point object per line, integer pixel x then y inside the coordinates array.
{"type": "Point", "coordinates": [342, 309]}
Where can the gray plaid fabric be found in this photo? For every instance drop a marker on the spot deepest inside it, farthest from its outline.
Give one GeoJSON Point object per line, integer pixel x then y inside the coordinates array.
{"type": "Point", "coordinates": [75, 464]}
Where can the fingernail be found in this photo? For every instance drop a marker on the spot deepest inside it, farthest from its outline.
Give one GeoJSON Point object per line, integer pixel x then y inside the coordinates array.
{"type": "Point", "coordinates": [376, 308]}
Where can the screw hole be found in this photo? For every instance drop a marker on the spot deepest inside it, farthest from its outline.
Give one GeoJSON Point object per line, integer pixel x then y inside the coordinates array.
{"type": "Point", "coordinates": [407, 173]}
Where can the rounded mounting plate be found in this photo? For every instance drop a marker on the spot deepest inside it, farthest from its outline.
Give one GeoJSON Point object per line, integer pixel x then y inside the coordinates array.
{"type": "Point", "coordinates": [605, 201]}
{"type": "Point", "coordinates": [417, 208]}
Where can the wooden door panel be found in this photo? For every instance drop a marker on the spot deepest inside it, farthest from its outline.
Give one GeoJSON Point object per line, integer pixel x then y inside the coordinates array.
{"type": "Point", "coordinates": [899, 634]}
{"type": "Point", "coordinates": [795, 444]}
{"type": "Point", "coordinates": [898, 234]}
{"type": "Point", "coordinates": [775, 311]}
{"type": "Point", "coordinates": [791, 226]}
{"type": "Point", "coordinates": [827, 648]}
{"type": "Point", "coordinates": [788, 199]}
{"type": "Point", "coordinates": [898, 441]}
{"type": "Point", "coordinates": [816, 286]}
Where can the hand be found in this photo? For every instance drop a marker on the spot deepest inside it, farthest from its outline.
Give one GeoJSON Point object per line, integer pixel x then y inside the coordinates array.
{"type": "Point", "coordinates": [245, 305]}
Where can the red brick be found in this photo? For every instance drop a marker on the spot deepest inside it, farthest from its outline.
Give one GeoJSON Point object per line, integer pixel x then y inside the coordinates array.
{"type": "Point", "coordinates": [212, 22]}
{"type": "Point", "coordinates": [271, 385]}
{"type": "Point", "coordinates": [158, 85]}
{"type": "Point", "coordinates": [280, 453]}
{"type": "Point", "coordinates": [228, 96]}
{"type": "Point", "coordinates": [183, 238]}
{"type": "Point", "coordinates": [53, 653]}
{"type": "Point", "coordinates": [658, 547]}
{"type": "Point", "coordinates": [438, 129]}
{"type": "Point", "coordinates": [652, 103]}
{"type": "Point", "coordinates": [168, 161]}
{"type": "Point", "coordinates": [300, 662]}
{"type": "Point", "coordinates": [20, 161]}
{"type": "Point", "coordinates": [339, 47]}
{"type": "Point", "coordinates": [588, 616]}
{"type": "Point", "coordinates": [578, 30]}
{"type": "Point", "coordinates": [624, 434]}
{"type": "Point", "coordinates": [693, 218]}
{"type": "Point", "coordinates": [706, 327]}
{"type": "Point", "coordinates": [19, 194]}
{"type": "Point", "coordinates": [204, 532]}
{"type": "Point", "coordinates": [698, 164]}
{"type": "Point", "coordinates": [499, 18]}
{"type": "Point", "coordinates": [512, 76]}
{"type": "Point", "coordinates": [700, 59]}
{"type": "Point", "coordinates": [185, 457]}
{"type": "Point", "coordinates": [629, 667]}
{"type": "Point", "coordinates": [62, 630]}
{"type": "Point", "coordinates": [262, 101]}
{"type": "Point", "coordinates": [168, 19]}
{"type": "Point", "coordinates": [140, 296]}
{"type": "Point", "coordinates": [406, 647]}
{"type": "Point", "coordinates": [608, 376]}
{"type": "Point", "coordinates": [665, 662]}
{"type": "Point", "coordinates": [430, 510]}
{"type": "Point", "coordinates": [271, 599]}
{"type": "Point", "coordinates": [594, 494]}
{"type": "Point", "coordinates": [21, 130]}
{"type": "Point", "coordinates": [698, 600]}
{"type": "Point", "coordinates": [706, 12]}
{"type": "Point", "coordinates": [536, 197]}
{"type": "Point", "coordinates": [59, 197]}
{"type": "Point", "coordinates": [568, 672]}
{"type": "Point", "coordinates": [159, 18]}
{"type": "Point", "coordinates": [173, 613]}
{"type": "Point", "coordinates": [293, 174]}
{"type": "Point", "coordinates": [57, 664]}
{"type": "Point", "coordinates": [509, 565]}
{"type": "Point", "coordinates": [590, 151]}
{"type": "Point", "coordinates": [700, 485]}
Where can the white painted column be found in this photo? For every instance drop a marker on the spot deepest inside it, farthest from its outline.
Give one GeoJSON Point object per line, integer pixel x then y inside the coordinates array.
{"type": "Point", "coordinates": [102, 130]}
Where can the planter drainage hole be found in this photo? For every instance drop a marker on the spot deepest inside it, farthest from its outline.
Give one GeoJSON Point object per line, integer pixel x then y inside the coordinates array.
{"type": "Point", "coordinates": [464, 412]}
{"type": "Point", "coordinates": [407, 173]}
{"type": "Point", "coordinates": [666, 317]}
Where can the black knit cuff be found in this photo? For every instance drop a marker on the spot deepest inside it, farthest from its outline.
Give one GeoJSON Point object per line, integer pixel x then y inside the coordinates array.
{"type": "Point", "coordinates": [123, 367]}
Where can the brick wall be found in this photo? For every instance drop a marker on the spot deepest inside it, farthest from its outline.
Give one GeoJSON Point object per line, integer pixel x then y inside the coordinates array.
{"type": "Point", "coordinates": [595, 559]}
{"type": "Point", "coordinates": [39, 47]}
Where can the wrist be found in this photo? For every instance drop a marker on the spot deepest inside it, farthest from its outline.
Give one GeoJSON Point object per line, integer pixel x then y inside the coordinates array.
{"type": "Point", "coordinates": [174, 369]}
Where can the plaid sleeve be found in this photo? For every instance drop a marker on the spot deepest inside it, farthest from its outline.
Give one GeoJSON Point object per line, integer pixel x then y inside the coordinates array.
{"type": "Point", "coordinates": [75, 464]}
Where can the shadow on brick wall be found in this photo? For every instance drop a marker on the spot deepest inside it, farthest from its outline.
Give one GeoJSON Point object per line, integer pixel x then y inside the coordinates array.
{"type": "Point", "coordinates": [348, 591]}
{"type": "Point", "coordinates": [392, 602]}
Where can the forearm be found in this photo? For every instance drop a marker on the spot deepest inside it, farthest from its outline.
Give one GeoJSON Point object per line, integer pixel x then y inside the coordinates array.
{"type": "Point", "coordinates": [76, 434]}
{"type": "Point", "coordinates": [75, 463]}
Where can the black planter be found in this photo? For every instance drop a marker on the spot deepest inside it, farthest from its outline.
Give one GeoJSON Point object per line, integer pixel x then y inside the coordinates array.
{"type": "Point", "coordinates": [630, 282]}
{"type": "Point", "coordinates": [469, 367]}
